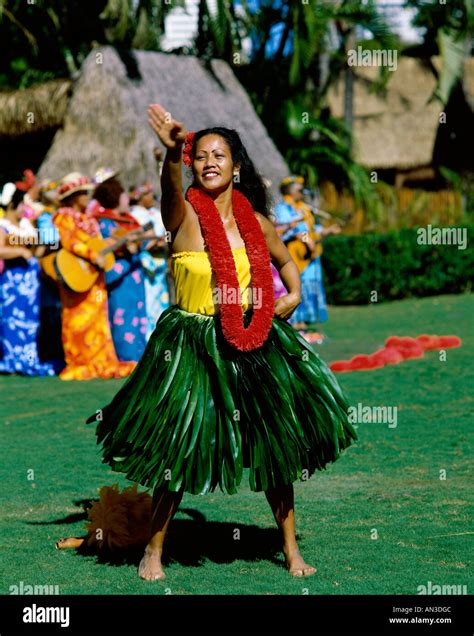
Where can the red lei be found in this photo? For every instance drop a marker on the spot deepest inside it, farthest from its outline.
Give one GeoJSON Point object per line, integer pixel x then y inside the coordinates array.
{"type": "Point", "coordinates": [124, 219]}
{"type": "Point", "coordinates": [223, 266]}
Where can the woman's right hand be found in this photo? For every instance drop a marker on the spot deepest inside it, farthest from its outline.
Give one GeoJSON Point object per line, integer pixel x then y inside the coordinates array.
{"type": "Point", "coordinates": [26, 253]}
{"type": "Point", "coordinates": [170, 132]}
{"type": "Point", "coordinates": [99, 260]}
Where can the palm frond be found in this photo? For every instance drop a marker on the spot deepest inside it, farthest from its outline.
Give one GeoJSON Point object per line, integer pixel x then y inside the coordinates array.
{"type": "Point", "coordinates": [26, 32]}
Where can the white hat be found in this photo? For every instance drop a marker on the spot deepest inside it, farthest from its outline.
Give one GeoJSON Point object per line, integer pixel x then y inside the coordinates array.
{"type": "Point", "coordinates": [7, 194]}
{"type": "Point", "coordinates": [104, 174]}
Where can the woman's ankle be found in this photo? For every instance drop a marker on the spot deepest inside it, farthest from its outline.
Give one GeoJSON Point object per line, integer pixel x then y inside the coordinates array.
{"type": "Point", "coordinates": [290, 547]}
{"type": "Point", "coordinates": [154, 548]}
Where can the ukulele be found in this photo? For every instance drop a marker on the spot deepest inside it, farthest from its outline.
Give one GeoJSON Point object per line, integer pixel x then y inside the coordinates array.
{"type": "Point", "coordinates": [79, 274]}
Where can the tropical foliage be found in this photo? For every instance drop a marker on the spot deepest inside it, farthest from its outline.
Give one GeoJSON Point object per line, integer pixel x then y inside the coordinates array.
{"type": "Point", "coordinates": [448, 29]}
{"type": "Point", "coordinates": [51, 38]}
{"type": "Point", "coordinates": [310, 55]}
{"type": "Point", "coordinates": [287, 54]}
{"type": "Point", "coordinates": [396, 264]}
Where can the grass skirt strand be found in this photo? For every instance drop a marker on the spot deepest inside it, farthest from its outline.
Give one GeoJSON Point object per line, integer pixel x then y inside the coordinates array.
{"type": "Point", "coordinates": [196, 411]}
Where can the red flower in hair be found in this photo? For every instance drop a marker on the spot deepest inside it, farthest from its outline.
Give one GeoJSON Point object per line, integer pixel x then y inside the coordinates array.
{"type": "Point", "coordinates": [27, 182]}
{"type": "Point", "coordinates": [188, 149]}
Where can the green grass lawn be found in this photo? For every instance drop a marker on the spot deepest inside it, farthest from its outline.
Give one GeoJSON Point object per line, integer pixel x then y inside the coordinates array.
{"type": "Point", "coordinates": [388, 485]}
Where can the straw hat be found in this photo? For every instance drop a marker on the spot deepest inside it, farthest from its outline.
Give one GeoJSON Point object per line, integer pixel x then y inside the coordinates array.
{"type": "Point", "coordinates": [292, 179]}
{"type": "Point", "coordinates": [74, 182]}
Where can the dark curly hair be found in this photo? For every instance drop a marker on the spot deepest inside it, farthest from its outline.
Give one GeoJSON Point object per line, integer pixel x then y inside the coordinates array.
{"type": "Point", "coordinates": [250, 183]}
{"type": "Point", "coordinates": [108, 193]}
{"type": "Point", "coordinates": [16, 199]}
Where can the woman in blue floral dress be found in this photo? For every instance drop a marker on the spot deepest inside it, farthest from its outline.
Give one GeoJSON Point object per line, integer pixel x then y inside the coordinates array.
{"type": "Point", "coordinates": [154, 257]}
{"type": "Point", "coordinates": [125, 282]}
{"type": "Point", "coordinates": [19, 294]}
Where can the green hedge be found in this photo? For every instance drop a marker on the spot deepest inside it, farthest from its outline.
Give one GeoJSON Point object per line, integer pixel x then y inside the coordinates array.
{"type": "Point", "coordinates": [395, 266]}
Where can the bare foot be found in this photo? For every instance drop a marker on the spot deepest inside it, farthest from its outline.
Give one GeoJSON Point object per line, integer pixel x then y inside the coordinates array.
{"type": "Point", "coordinates": [150, 567]}
{"type": "Point", "coordinates": [300, 326]}
{"type": "Point", "coordinates": [71, 542]}
{"type": "Point", "coordinates": [296, 564]}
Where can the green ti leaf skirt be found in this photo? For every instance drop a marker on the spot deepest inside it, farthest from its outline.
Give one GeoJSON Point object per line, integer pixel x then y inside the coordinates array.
{"type": "Point", "coordinates": [196, 411]}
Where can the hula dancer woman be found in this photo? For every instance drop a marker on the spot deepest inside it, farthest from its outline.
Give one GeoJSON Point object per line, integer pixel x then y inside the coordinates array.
{"type": "Point", "coordinates": [225, 382]}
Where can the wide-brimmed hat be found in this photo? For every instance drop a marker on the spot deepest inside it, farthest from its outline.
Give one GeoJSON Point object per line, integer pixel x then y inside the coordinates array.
{"type": "Point", "coordinates": [294, 178]}
{"type": "Point", "coordinates": [104, 174]}
{"type": "Point", "coordinates": [74, 182]}
{"type": "Point", "coordinates": [145, 188]}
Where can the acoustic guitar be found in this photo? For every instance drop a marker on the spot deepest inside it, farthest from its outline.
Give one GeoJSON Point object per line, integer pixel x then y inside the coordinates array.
{"type": "Point", "coordinates": [78, 274]}
{"type": "Point", "coordinates": [301, 254]}
{"type": "Point", "coordinates": [300, 251]}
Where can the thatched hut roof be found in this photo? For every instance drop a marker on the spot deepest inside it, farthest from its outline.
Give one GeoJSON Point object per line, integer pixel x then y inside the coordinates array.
{"type": "Point", "coordinates": [34, 109]}
{"type": "Point", "coordinates": [398, 128]}
{"type": "Point", "coordinates": [106, 122]}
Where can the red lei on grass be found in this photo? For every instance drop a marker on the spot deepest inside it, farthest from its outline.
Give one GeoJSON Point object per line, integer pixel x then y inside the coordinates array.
{"type": "Point", "coordinates": [223, 266]}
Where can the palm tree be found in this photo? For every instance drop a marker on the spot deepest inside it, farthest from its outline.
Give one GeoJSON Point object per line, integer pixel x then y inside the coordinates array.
{"type": "Point", "coordinates": [299, 48]}
{"type": "Point", "coordinates": [298, 72]}
{"type": "Point", "coordinates": [449, 29]}
{"type": "Point", "coordinates": [137, 24]}
{"type": "Point", "coordinates": [51, 39]}
{"type": "Point", "coordinates": [221, 29]}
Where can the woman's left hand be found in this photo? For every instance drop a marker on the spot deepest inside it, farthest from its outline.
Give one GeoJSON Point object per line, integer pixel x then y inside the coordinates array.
{"type": "Point", "coordinates": [286, 305]}
{"type": "Point", "coordinates": [40, 251]}
{"type": "Point", "coordinates": [132, 247]}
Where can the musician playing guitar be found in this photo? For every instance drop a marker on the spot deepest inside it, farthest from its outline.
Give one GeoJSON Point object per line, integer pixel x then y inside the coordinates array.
{"type": "Point", "coordinates": [87, 340]}
{"type": "Point", "coordinates": [297, 228]}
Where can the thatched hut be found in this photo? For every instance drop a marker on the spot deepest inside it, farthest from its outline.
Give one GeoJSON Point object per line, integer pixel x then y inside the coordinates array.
{"type": "Point", "coordinates": [104, 121]}
{"type": "Point", "coordinates": [399, 132]}
{"type": "Point", "coordinates": [35, 109]}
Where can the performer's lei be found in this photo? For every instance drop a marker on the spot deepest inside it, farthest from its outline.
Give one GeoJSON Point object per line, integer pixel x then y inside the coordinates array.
{"type": "Point", "coordinates": [223, 266]}
{"type": "Point", "coordinates": [125, 219]}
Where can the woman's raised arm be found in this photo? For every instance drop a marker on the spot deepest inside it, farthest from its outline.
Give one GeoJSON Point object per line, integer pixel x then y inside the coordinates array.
{"type": "Point", "coordinates": [172, 134]}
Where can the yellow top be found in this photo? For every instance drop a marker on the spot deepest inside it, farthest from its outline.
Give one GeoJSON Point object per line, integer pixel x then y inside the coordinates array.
{"type": "Point", "coordinates": [195, 283]}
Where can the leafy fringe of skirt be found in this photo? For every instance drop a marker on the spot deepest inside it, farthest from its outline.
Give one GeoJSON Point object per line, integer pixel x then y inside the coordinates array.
{"type": "Point", "coordinates": [196, 411]}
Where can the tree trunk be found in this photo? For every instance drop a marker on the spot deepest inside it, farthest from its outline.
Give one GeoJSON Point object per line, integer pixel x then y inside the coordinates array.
{"type": "Point", "coordinates": [349, 87]}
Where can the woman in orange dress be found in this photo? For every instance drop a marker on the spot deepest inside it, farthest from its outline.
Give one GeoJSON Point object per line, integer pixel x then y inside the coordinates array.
{"type": "Point", "coordinates": [87, 340]}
